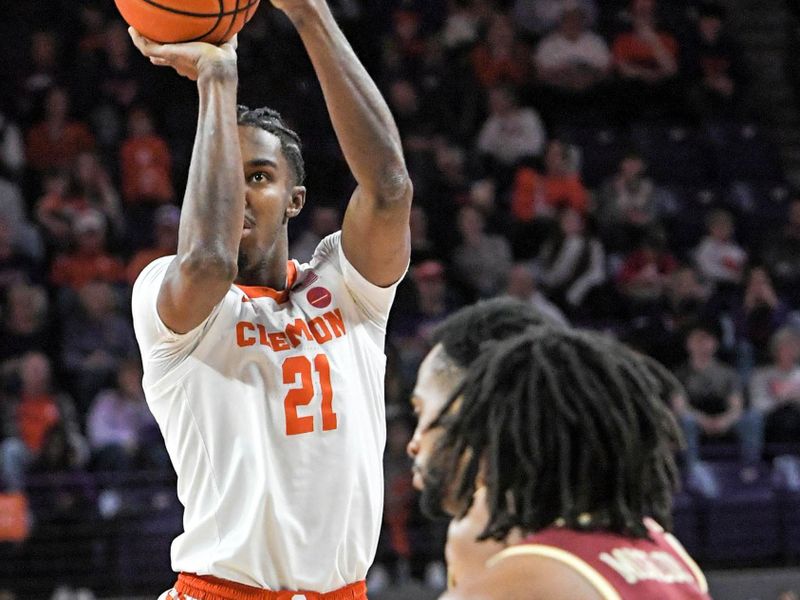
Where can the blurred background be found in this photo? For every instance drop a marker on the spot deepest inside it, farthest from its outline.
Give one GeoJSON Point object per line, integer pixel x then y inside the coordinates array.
{"type": "Point", "coordinates": [631, 167]}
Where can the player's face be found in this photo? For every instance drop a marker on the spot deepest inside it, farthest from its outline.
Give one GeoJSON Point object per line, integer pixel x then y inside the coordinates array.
{"type": "Point", "coordinates": [271, 196]}
{"type": "Point", "coordinates": [436, 381]}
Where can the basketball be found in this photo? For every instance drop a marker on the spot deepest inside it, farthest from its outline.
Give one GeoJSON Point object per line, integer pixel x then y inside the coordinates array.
{"type": "Point", "coordinates": [171, 21]}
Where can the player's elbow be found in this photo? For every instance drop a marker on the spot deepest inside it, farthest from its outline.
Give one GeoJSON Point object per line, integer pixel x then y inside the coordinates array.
{"type": "Point", "coordinates": [394, 188]}
{"type": "Point", "coordinates": [208, 265]}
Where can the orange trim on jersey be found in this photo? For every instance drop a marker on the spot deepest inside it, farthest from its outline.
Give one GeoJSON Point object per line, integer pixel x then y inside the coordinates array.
{"type": "Point", "coordinates": [592, 575]}
{"type": "Point", "coordinates": [206, 587]}
{"type": "Point", "coordinates": [280, 296]}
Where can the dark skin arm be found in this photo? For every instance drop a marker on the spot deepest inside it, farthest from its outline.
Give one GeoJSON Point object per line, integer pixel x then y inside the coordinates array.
{"type": "Point", "coordinates": [375, 233]}
{"type": "Point", "coordinates": [213, 209]}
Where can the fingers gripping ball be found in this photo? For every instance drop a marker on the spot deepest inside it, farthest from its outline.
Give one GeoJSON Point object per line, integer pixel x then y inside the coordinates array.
{"type": "Point", "coordinates": [172, 21]}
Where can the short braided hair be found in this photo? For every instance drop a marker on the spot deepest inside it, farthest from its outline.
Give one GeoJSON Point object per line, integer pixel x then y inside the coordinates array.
{"type": "Point", "coordinates": [271, 121]}
{"type": "Point", "coordinates": [463, 332]}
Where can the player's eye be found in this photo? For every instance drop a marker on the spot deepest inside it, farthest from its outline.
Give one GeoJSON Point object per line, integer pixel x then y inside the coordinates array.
{"type": "Point", "coordinates": [259, 177]}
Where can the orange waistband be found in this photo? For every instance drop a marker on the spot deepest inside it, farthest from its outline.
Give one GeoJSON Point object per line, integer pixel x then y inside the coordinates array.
{"type": "Point", "coordinates": [206, 587]}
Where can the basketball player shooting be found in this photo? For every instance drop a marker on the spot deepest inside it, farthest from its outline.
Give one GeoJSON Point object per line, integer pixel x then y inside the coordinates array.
{"type": "Point", "coordinates": [266, 376]}
{"type": "Point", "coordinates": [553, 451]}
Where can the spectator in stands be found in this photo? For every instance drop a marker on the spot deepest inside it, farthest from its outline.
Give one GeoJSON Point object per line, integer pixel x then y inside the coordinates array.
{"type": "Point", "coordinates": [627, 204]}
{"type": "Point", "coordinates": [400, 498]}
{"type": "Point", "coordinates": [118, 420]}
{"type": "Point", "coordinates": [570, 63]}
{"type": "Point", "coordinates": [719, 258]}
{"type": "Point", "coordinates": [713, 66]}
{"type": "Point", "coordinates": [501, 58]}
{"type": "Point", "coordinates": [67, 502]}
{"type": "Point", "coordinates": [511, 133]}
{"type": "Point", "coordinates": [30, 412]}
{"type": "Point", "coordinates": [522, 285]}
{"type": "Point", "coordinates": [686, 302]}
{"type": "Point", "coordinates": [90, 260]}
{"type": "Point", "coordinates": [55, 142]}
{"type": "Point", "coordinates": [54, 210]}
{"type": "Point", "coordinates": [119, 82]}
{"type": "Point", "coordinates": [25, 237]}
{"type": "Point", "coordinates": [24, 327]}
{"type": "Point", "coordinates": [758, 316]}
{"type": "Point", "coordinates": [324, 221]}
{"type": "Point", "coordinates": [167, 220]}
{"type": "Point", "coordinates": [410, 114]}
{"type": "Point", "coordinates": [645, 274]}
{"type": "Point", "coordinates": [714, 406]}
{"type": "Point", "coordinates": [775, 389]}
{"type": "Point", "coordinates": [539, 18]}
{"type": "Point", "coordinates": [448, 189]}
{"type": "Point", "coordinates": [412, 328]}
{"type": "Point", "coordinates": [12, 204]}
{"type": "Point", "coordinates": [541, 195]}
{"type": "Point", "coordinates": [12, 150]}
{"type": "Point", "coordinates": [96, 338]}
{"type": "Point", "coordinates": [571, 263]}
{"type": "Point", "coordinates": [145, 161]}
{"type": "Point", "coordinates": [405, 44]}
{"type": "Point", "coordinates": [781, 255]}
{"type": "Point", "coordinates": [90, 187]}
{"type": "Point", "coordinates": [422, 246]}
{"type": "Point", "coordinates": [42, 71]}
{"type": "Point", "coordinates": [15, 266]}
{"type": "Point", "coordinates": [146, 171]}
{"type": "Point", "coordinates": [464, 22]}
{"type": "Point", "coordinates": [482, 260]}
{"type": "Point", "coordinates": [646, 59]}
{"type": "Point", "coordinates": [657, 327]}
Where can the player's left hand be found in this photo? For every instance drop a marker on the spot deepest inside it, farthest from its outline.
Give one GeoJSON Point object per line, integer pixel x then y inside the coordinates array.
{"type": "Point", "coordinates": [190, 59]}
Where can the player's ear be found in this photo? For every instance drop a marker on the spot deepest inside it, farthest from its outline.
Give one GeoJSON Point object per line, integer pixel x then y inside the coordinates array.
{"type": "Point", "coordinates": [296, 202]}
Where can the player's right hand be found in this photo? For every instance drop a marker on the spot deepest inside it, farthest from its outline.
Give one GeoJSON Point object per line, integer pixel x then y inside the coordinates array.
{"type": "Point", "coordinates": [191, 59]}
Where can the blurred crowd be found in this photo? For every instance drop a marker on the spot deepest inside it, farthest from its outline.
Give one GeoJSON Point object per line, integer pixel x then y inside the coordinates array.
{"type": "Point", "coordinates": [598, 160]}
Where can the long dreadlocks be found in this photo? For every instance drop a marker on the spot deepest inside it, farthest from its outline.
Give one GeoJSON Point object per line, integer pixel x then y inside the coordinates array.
{"type": "Point", "coordinates": [271, 121]}
{"type": "Point", "coordinates": [461, 336]}
{"type": "Point", "coordinates": [563, 426]}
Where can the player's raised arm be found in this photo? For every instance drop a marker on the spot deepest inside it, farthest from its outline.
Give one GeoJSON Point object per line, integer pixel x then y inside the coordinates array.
{"type": "Point", "coordinates": [213, 207]}
{"type": "Point", "coordinates": [375, 234]}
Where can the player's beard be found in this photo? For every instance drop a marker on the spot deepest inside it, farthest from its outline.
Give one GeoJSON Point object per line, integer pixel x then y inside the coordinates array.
{"type": "Point", "coordinates": [434, 489]}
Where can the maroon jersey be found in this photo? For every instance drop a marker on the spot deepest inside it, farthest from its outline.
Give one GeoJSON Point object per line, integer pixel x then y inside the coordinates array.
{"type": "Point", "coordinates": [618, 567]}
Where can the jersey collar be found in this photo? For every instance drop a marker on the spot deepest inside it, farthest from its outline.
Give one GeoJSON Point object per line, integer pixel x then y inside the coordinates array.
{"type": "Point", "coordinates": [280, 296]}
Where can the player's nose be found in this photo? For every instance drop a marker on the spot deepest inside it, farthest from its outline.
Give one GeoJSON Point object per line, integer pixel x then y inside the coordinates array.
{"type": "Point", "coordinates": [412, 449]}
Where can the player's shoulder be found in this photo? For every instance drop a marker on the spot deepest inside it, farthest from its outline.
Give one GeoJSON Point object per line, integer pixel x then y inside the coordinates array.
{"type": "Point", "coordinates": [327, 250]}
{"type": "Point", "coordinates": [525, 575]}
{"type": "Point", "coordinates": [154, 271]}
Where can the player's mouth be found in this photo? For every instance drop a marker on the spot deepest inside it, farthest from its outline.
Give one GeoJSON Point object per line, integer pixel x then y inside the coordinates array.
{"type": "Point", "coordinates": [247, 226]}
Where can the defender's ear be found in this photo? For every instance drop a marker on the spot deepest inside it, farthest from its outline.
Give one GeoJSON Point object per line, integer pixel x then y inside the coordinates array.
{"type": "Point", "coordinates": [297, 202]}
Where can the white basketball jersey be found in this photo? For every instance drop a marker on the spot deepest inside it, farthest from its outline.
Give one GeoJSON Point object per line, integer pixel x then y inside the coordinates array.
{"type": "Point", "coordinates": [273, 415]}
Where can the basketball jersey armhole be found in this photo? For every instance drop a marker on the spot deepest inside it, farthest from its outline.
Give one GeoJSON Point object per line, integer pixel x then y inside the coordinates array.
{"type": "Point", "coordinates": [589, 573]}
{"type": "Point", "coordinates": [688, 560]}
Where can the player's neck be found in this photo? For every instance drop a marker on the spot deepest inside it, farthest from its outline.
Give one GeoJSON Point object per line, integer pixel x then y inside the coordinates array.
{"type": "Point", "coordinates": [270, 271]}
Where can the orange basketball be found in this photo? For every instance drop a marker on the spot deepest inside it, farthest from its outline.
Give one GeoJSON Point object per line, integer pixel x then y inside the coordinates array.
{"type": "Point", "coordinates": [169, 21]}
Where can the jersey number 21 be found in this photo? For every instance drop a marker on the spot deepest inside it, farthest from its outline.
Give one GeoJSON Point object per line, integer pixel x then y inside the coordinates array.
{"type": "Point", "coordinates": [301, 367]}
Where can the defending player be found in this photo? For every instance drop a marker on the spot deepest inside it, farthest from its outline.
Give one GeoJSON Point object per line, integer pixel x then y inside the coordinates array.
{"type": "Point", "coordinates": [554, 450]}
{"type": "Point", "coordinates": [266, 376]}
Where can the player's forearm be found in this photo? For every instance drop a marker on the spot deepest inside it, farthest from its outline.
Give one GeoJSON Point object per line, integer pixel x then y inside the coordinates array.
{"type": "Point", "coordinates": [213, 208]}
{"type": "Point", "coordinates": [363, 123]}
